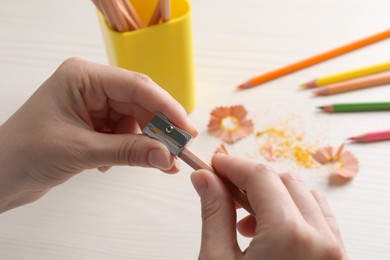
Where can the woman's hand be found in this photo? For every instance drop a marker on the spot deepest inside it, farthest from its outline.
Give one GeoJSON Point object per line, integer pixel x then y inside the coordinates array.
{"type": "Point", "coordinates": [84, 116]}
{"type": "Point", "coordinates": [291, 222]}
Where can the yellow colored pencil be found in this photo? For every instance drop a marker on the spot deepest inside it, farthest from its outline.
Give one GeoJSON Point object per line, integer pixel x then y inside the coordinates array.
{"type": "Point", "coordinates": [347, 75]}
{"type": "Point", "coordinates": [354, 84]}
{"type": "Point", "coordinates": [253, 82]}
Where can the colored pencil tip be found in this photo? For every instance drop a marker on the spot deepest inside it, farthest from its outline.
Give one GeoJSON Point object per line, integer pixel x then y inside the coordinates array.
{"type": "Point", "coordinates": [353, 138]}
{"type": "Point", "coordinates": [320, 107]}
{"type": "Point", "coordinates": [245, 85]}
{"type": "Point", "coordinates": [316, 93]}
{"type": "Point", "coordinates": [309, 84]}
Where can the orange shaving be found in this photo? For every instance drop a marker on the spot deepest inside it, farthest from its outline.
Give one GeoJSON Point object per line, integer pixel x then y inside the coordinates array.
{"type": "Point", "coordinates": [230, 123]}
{"type": "Point", "coordinates": [222, 149]}
{"type": "Point", "coordinates": [347, 165]}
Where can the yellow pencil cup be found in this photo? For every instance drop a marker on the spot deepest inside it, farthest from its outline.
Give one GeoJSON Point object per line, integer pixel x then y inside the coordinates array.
{"type": "Point", "coordinates": [164, 51]}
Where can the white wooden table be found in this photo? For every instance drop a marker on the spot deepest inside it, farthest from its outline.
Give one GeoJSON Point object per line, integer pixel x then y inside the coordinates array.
{"type": "Point", "coordinates": [134, 213]}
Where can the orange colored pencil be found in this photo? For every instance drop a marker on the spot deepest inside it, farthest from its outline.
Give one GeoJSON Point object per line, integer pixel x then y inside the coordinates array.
{"type": "Point", "coordinates": [314, 60]}
{"type": "Point", "coordinates": [354, 84]}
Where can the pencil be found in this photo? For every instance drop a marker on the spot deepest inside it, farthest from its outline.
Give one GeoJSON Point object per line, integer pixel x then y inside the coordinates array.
{"type": "Point", "coordinates": [197, 163]}
{"type": "Point", "coordinates": [103, 9]}
{"type": "Point", "coordinates": [346, 75]}
{"type": "Point", "coordinates": [130, 10]}
{"type": "Point", "coordinates": [314, 60]}
{"type": "Point", "coordinates": [371, 137]}
{"type": "Point", "coordinates": [122, 23]}
{"type": "Point", "coordinates": [356, 107]}
{"type": "Point", "coordinates": [354, 84]}
{"type": "Point", "coordinates": [156, 16]}
{"type": "Point", "coordinates": [165, 6]}
{"type": "Point", "coordinates": [132, 24]}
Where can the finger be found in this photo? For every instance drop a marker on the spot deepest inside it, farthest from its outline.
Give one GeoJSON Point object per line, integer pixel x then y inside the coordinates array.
{"type": "Point", "coordinates": [218, 217]}
{"type": "Point", "coordinates": [142, 115]}
{"type": "Point", "coordinates": [104, 168]}
{"type": "Point", "coordinates": [266, 193]}
{"type": "Point", "coordinates": [326, 212]}
{"type": "Point", "coordinates": [131, 87]}
{"type": "Point", "coordinates": [127, 125]}
{"type": "Point", "coordinates": [247, 226]}
{"type": "Point", "coordinates": [329, 217]}
{"type": "Point", "coordinates": [303, 198]}
{"type": "Point", "coordinates": [127, 149]}
{"type": "Point", "coordinates": [175, 168]}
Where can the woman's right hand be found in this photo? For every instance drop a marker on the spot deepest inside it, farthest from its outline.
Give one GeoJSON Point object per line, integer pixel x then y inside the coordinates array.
{"type": "Point", "coordinates": [291, 221]}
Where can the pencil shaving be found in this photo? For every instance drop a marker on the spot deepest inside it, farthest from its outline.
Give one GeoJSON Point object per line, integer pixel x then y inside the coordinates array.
{"type": "Point", "coordinates": [285, 142]}
{"type": "Point", "coordinates": [323, 155]}
{"type": "Point", "coordinates": [347, 165]}
{"type": "Point", "coordinates": [270, 152]}
{"type": "Point", "coordinates": [222, 149]}
{"type": "Point", "coordinates": [229, 123]}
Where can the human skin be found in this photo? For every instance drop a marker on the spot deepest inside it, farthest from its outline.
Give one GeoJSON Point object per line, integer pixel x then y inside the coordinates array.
{"type": "Point", "coordinates": [290, 222]}
{"type": "Point", "coordinates": [83, 116]}
{"type": "Point", "coordinates": [88, 116]}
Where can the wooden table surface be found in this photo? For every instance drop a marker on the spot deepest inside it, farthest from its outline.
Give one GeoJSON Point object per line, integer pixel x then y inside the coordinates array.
{"type": "Point", "coordinates": [136, 213]}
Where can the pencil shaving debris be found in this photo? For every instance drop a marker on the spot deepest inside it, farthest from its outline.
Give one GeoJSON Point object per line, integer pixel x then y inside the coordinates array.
{"type": "Point", "coordinates": [229, 123]}
{"type": "Point", "coordinates": [222, 149]}
{"type": "Point", "coordinates": [348, 164]}
{"type": "Point", "coordinates": [285, 142]}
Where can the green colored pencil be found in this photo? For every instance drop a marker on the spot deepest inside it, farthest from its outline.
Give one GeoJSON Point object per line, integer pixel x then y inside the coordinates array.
{"type": "Point", "coordinates": [356, 107]}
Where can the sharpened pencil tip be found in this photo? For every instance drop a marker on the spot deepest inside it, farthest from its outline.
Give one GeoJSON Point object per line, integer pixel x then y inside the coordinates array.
{"type": "Point", "coordinates": [310, 84]}
{"type": "Point", "coordinates": [245, 85]}
{"type": "Point", "coordinates": [317, 93]}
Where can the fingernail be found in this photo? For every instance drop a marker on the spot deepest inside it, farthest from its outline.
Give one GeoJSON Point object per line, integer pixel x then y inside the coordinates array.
{"type": "Point", "coordinates": [221, 154]}
{"type": "Point", "coordinates": [160, 159]}
{"type": "Point", "coordinates": [200, 183]}
{"type": "Point", "coordinates": [178, 165]}
{"type": "Point", "coordinates": [103, 169]}
{"type": "Point", "coordinates": [192, 125]}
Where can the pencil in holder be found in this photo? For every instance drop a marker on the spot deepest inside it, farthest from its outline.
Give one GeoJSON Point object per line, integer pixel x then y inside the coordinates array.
{"type": "Point", "coordinates": [163, 51]}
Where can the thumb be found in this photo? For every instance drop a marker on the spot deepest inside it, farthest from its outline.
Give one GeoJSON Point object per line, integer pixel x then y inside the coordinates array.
{"type": "Point", "coordinates": [219, 239]}
{"type": "Point", "coordinates": [130, 149]}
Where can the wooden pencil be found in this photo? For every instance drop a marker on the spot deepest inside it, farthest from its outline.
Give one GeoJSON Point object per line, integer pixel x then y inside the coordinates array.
{"type": "Point", "coordinates": [123, 25]}
{"type": "Point", "coordinates": [165, 6]}
{"type": "Point", "coordinates": [356, 107]}
{"type": "Point", "coordinates": [114, 15]}
{"type": "Point", "coordinates": [314, 60]}
{"type": "Point", "coordinates": [102, 8]}
{"type": "Point", "coordinates": [197, 163]}
{"type": "Point", "coordinates": [371, 137]}
{"type": "Point", "coordinates": [156, 16]}
{"type": "Point", "coordinates": [133, 14]}
{"type": "Point", "coordinates": [131, 23]}
{"type": "Point", "coordinates": [354, 84]}
{"type": "Point", "coordinates": [347, 75]}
